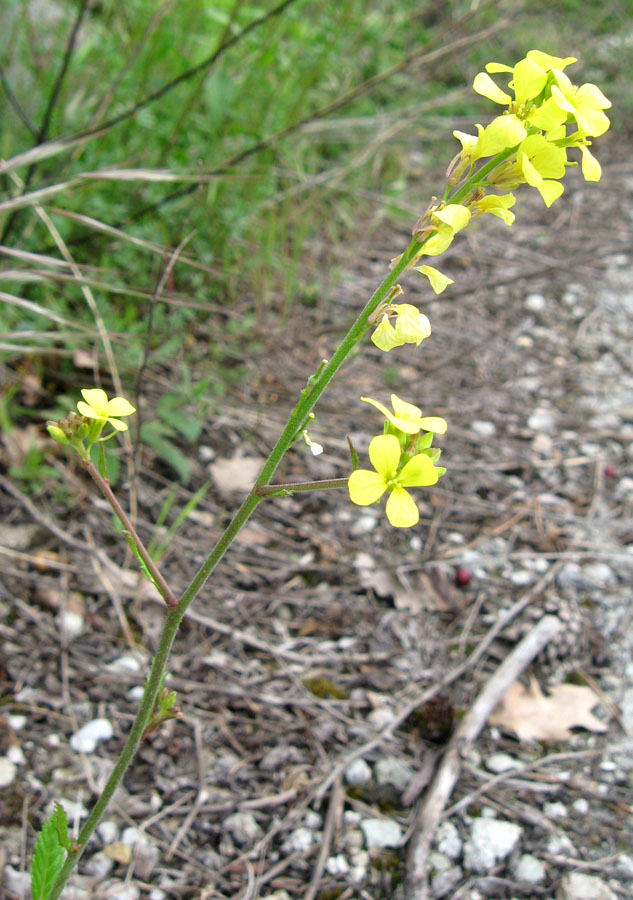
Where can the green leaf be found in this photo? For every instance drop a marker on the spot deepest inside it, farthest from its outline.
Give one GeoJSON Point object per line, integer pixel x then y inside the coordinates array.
{"type": "Point", "coordinates": [49, 854]}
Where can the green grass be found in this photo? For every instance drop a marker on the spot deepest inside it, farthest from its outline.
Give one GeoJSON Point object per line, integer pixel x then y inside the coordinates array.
{"type": "Point", "coordinates": [311, 123]}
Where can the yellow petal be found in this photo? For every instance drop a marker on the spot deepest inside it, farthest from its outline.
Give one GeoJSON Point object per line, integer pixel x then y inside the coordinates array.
{"type": "Point", "coordinates": [484, 85]}
{"type": "Point", "coordinates": [436, 424]}
{"type": "Point", "coordinates": [550, 191]}
{"type": "Point", "coordinates": [439, 282]}
{"type": "Point", "coordinates": [418, 472]}
{"type": "Point", "coordinates": [404, 409]}
{"type": "Point", "coordinates": [119, 406]}
{"type": "Point", "coordinates": [401, 509]}
{"type": "Point", "coordinates": [384, 454]}
{"type": "Point", "coordinates": [590, 166]}
{"type": "Point", "coordinates": [88, 411]}
{"type": "Point", "coordinates": [97, 399]}
{"type": "Point", "coordinates": [550, 62]}
{"type": "Point", "coordinates": [365, 487]}
{"type": "Point", "coordinates": [385, 337]}
{"type": "Point", "coordinates": [117, 425]}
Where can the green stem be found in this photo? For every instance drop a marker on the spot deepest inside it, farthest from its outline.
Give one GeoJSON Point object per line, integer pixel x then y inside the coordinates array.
{"type": "Point", "coordinates": [106, 490]}
{"type": "Point", "coordinates": [292, 487]}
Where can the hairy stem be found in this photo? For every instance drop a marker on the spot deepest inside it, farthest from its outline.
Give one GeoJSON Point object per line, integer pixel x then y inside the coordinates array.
{"type": "Point", "coordinates": [104, 486]}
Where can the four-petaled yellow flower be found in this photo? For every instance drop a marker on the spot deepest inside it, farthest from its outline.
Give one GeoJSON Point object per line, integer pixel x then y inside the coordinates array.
{"type": "Point", "coordinates": [408, 418]}
{"type": "Point", "coordinates": [412, 327]}
{"type": "Point", "coordinates": [97, 406]}
{"type": "Point", "coordinates": [367, 487]}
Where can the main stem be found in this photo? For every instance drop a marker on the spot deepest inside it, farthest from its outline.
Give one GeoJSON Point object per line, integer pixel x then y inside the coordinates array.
{"type": "Point", "coordinates": [176, 613]}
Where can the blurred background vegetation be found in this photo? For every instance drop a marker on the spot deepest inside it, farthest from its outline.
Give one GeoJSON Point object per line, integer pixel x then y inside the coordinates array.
{"type": "Point", "coordinates": [178, 177]}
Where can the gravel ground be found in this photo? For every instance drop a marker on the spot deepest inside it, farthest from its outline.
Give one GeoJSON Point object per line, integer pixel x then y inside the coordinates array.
{"type": "Point", "coordinates": [322, 674]}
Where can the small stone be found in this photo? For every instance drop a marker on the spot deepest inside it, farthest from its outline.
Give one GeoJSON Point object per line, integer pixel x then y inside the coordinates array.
{"type": "Point", "coordinates": [448, 840]}
{"type": "Point", "coordinates": [86, 739]}
{"type": "Point", "coordinates": [300, 840]}
{"type": "Point", "coordinates": [18, 883]}
{"type": "Point", "coordinates": [529, 869]}
{"type": "Point", "coordinates": [243, 827]}
{"type": "Point", "coordinates": [313, 820]}
{"type": "Point", "coordinates": [542, 444]}
{"type": "Point", "coordinates": [381, 717]}
{"type": "Point", "coordinates": [624, 489]}
{"type": "Point", "coordinates": [521, 577]}
{"type": "Point", "coordinates": [15, 755]}
{"type": "Point", "coordinates": [599, 575]}
{"type": "Point", "coordinates": [501, 762]}
{"type": "Point", "coordinates": [577, 886]}
{"type": "Point", "coordinates": [558, 844]}
{"type": "Point", "coordinates": [336, 865]}
{"type": "Point", "coordinates": [381, 833]}
{"type": "Point", "coordinates": [108, 831]}
{"type": "Point", "coordinates": [624, 865]}
{"type": "Point", "coordinates": [490, 841]}
{"type": "Point", "coordinates": [129, 662]}
{"type": "Point", "coordinates": [117, 890]}
{"type": "Point", "coordinates": [483, 429]}
{"type": "Point", "coordinates": [7, 771]}
{"type": "Point", "coordinates": [99, 865]}
{"type": "Point", "coordinates": [392, 771]}
{"type": "Point", "coordinates": [535, 303]}
{"type": "Point", "coordinates": [555, 810]}
{"type": "Point", "coordinates": [16, 722]}
{"type": "Point", "coordinates": [542, 419]}
{"type": "Point", "coordinates": [358, 773]}
{"type": "Point", "coordinates": [363, 525]}
{"type": "Point", "coordinates": [70, 624]}
{"type": "Point", "coordinates": [443, 883]}
{"type": "Point", "coordinates": [351, 818]}
{"type": "Point", "coordinates": [279, 756]}
{"type": "Point", "coordinates": [580, 806]}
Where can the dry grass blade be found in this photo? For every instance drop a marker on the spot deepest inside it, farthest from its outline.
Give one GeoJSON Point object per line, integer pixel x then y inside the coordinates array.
{"type": "Point", "coordinates": [33, 307]}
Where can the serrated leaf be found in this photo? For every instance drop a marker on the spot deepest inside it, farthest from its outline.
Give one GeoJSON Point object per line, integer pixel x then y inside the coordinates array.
{"type": "Point", "coordinates": [48, 857]}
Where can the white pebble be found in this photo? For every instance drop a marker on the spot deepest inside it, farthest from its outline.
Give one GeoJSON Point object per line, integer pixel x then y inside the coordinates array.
{"type": "Point", "coordinates": [358, 773]}
{"type": "Point", "coordinates": [535, 303]}
{"type": "Point", "coordinates": [580, 806]}
{"type": "Point", "coordinates": [381, 833]}
{"type": "Point", "coordinates": [336, 865]}
{"type": "Point", "coordinates": [7, 772]}
{"type": "Point", "coordinates": [529, 869]}
{"type": "Point", "coordinates": [483, 428]}
{"type": "Point", "coordinates": [89, 735]}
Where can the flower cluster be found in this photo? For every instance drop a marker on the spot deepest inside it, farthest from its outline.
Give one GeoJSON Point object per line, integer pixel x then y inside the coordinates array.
{"type": "Point", "coordinates": [95, 412]}
{"type": "Point", "coordinates": [402, 457]}
{"type": "Point", "coordinates": [546, 115]}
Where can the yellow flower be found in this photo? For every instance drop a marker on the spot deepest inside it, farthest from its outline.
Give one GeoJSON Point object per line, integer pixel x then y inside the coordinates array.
{"type": "Point", "coordinates": [446, 222]}
{"type": "Point", "coordinates": [411, 327]}
{"type": "Point", "coordinates": [97, 406]}
{"type": "Point", "coordinates": [496, 204]}
{"type": "Point", "coordinates": [408, 418]}
{"type": "Point", "coordinates": [584, 103]}
{"type": "Point", "coordinates": [367, 487]}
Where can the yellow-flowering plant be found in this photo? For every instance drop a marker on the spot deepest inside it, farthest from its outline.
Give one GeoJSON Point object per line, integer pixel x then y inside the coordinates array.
{"type": "Point", "coordinates": [545, 117]}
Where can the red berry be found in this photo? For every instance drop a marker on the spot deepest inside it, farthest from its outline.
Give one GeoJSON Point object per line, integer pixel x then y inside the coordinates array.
{"type": "Point", "coordinates": [610, 472]}
{"type": "Point", "coordinates": [463, 576]}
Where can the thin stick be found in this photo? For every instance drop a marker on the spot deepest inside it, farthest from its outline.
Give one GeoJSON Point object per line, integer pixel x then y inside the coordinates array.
{"type": "Point", "coordinates": [332, 818]}
{"type": "Point", "coordinates": [430, 813]}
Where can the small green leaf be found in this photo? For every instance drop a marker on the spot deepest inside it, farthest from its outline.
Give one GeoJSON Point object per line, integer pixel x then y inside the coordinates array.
{"type": "Point", "coordinates": [49, 855]}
